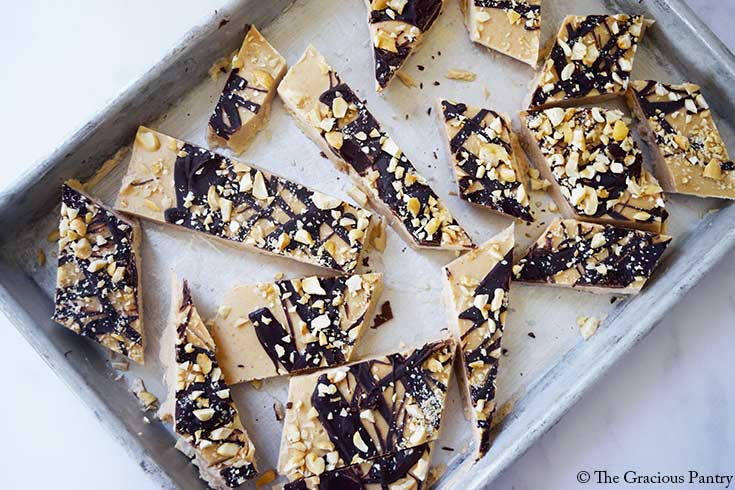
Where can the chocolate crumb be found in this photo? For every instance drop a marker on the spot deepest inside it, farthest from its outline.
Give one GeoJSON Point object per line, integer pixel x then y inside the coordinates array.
{"type": "Point", "coordinates": [532, 335]}
{"type": "Point", "coordinates": [366, 261]}
{"type": "Point", "coordinates": [385, 315]}
{"type": "Point", "coordinates": [289, 405]}
{"type": "Point", "coordinates": [240, 366]}
{"type": "Point", "coordinates": [613, 299]}
{"type": "Point", "coordinates": [436, 83]}
{"type": "Point", "coordinates": [428, 111]}
{"type": "Point", "coordinates": [505, 352]}
{"type": "Point", "coordinates": [66, 354]}
{"type": "Point", "coordinates": [420, 67]}
{"type": "Point", "coordinates": [421, 85]}
{"type": "Point", "coordinates": [436, 157]}
{"type": "Point", "coordinates": [447, 448]}
{"type": "Point", "coordinates": [223, 23]}
{"type": "Point", "coordinates": [323, 155]}
{"type": "Point", "coordinates": [278, 410]}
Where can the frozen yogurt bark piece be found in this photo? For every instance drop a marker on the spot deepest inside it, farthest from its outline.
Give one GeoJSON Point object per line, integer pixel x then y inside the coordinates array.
{"type": "Point", "coordinates": [170, 181]}
{"type": "Point", "coordinates": [592, 257]}
{"type": "Point", "coordinates": [590, 60]}
{"type": "Point", "coordinates": [288, 326]}
{"type": "Point", "coordinates": [98, 288]}
{"type": "Point", "coordinates": [366, 410]}
{"type": "Point", "coordinates": [334, 117]}
{"type": "Point", "coordinates": [595, 167]}
{"type": "Point", "coordinates": [476, 287]}
{"type": "Point", "coordinates": [243, 108]}
{"type": "Point", "coordinates": [511, 27]}
{"type": "Point", "coordinates": [403, 470]}
{"type": "Point", "coordinates": [199, 403]}
{"type": "Point", "coordinates": [691, 157]}
{"type": "Point", "coordinates": [489, 164]}
{"type": "Point", "coordinates": [397, 29]}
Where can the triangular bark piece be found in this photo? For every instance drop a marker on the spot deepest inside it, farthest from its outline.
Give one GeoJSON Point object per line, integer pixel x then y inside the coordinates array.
{"type": "Point", "coordinates": [349, 415]}
{"type": "Point", "coordinates": [489, 164]}
{"type": "Point", "coordinates": [170, 181]}
{"type": "Point", "coordinates": [98, 289]}
{"type": "Point", "coordinates": [335, 118]}
{"type": "Point", "coordinates": [203, 412]}
{"type": "Point", "coordinates": [690, 156]}
{"type": "Point", "coordinates": [397, 29]}
{"type": "Point", "coordinates": [243, 108]}
{"type": "Point", "coordinates": [590, 60]}
{"type": "Point", "coordinates": [595, 167]}
{"type": "Point", "coordinates": [592, 257]}
{"type": "Point", "coordinates": [476, 291]}
{"type": "Point", "coordinates": [509, 27]}
{"type": "Point", "coordinates": [295, 325]}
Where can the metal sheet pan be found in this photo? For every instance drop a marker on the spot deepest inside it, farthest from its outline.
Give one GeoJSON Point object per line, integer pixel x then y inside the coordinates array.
{"type": "Point", "coordinates": [540, 378]}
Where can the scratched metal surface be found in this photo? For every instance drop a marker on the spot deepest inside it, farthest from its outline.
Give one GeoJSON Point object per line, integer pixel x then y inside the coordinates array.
{"type": "Point", "coordinates": [539, 378]}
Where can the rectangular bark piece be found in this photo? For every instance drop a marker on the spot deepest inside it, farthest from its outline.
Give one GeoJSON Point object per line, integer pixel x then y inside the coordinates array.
{"type": "Point", "coordinates": [596, 258]}
{"type": "Point", "coordinates": [372, 408]}
{"type": "Point", "coordinates": [595, 167]}
{"type": "Point", "coordinates": [590, 60]}
{"type": "Point", "coordinates": [243, 108]}
{"type": "Point", "coordinates": [488, 162]}
{"type": "Point", "coordinates": [691, 157]}
{"type": "Point", "coordinates": [332, 115]}
{"type": "Point", "coordinates": [403, 470]}
{"type": "Point", "coordinates": [289, 326]}
{"type": "Point", "coordinates": [397, 30]}
{"type": "Point", "coordinates": [476, 287]}
{"type": "Point", "coordinates": [199, 403]}
{"type": "Point", "coordinates": [511, 27]}
{"type": "Point", "coordinates": [170, 181]}
{"type": "Point", "coordinates": [98, 288]}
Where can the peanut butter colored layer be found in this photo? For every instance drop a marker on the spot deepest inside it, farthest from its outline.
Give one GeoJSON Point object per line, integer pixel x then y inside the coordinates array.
{"type": "Point", "coordinates": [170, 181]}
{"type": "Point", "coordinates": [285, 327]}
{"type": "Point", "coordinates": [243, 108]}
{"type": "Point", "coordinates": [332, 115]}
{"type": "Point", "coordinates": [477, 285]}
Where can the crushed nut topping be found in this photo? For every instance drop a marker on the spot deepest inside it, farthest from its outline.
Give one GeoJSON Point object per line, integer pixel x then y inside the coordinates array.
{"type": "Point", "coordinates": [597, 165]}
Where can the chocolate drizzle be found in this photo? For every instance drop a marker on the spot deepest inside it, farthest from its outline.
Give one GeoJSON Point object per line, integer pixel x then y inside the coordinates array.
{"type": "Point", "coordinates": [100, 304]}
{"type": "Point", "coordinates": [363, 148]}
{"type": "Point", "coordinates": [487, 190]}
{"type": "Point", "coordinates": [340, 416]}
{"type": "Point", "coordinates": [380, 473]}
{"type": "Point", "coordinates": [197, 170]}
{"type": "Point", "coordinates": [623, 258]}
{"type": "Point", "coordinates": [531, 13]}
{"type": "Point", "coordinates": [226, 120]}
{"type": "Point", "coordinates": [594, 77]}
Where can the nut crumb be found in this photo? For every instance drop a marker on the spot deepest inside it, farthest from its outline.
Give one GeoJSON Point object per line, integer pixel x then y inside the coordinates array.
{"type": "Point", "coordinates": [279, 410]}
{"type": "Point", "coordinates": [406, 79]}
{"type": "Point", "coordinates": [148, 400]}
{"type": "Point", "coordinates": [257, 384]}
{"type": "Point", "coordinates": [467, 76]}
{"type": "Point", "coordinates": [588, 326]}
{"type": "Point", "coordinates": [40, 258]}
{"type": "Point", "coordinates": [266, 478]}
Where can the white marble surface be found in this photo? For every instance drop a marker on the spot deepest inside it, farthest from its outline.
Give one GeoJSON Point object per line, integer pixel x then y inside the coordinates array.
{"type": "Point", "coordinates": [668, 407]}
